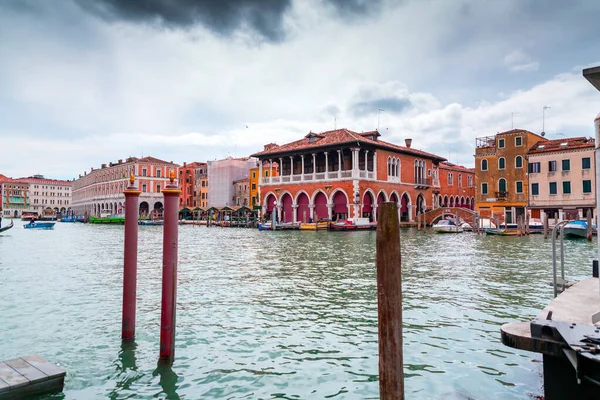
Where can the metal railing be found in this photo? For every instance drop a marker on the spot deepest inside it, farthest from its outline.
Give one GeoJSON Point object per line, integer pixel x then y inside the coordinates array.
{"type": "Point", "coordinates": [561, 226]}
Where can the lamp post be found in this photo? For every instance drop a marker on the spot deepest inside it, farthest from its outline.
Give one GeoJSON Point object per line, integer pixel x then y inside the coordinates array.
{"type": "Point", "coordinates": [274, 216]}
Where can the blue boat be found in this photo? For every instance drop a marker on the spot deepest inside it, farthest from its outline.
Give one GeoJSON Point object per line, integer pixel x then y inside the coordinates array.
{"type": "Point", "coordinates": [264, 227]}
{"type": "Point", "coordinates": [150, 223]}
{"type": "Point", "coordinates": [67, 219]}
{"type": "Point", "coordinates": [39, 225]}
{"type": "Point", "coordinates": [577, 229]}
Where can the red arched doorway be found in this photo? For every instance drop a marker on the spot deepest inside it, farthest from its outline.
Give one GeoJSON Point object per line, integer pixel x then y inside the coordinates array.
{"type": "Point", "coordinates": [321, 211]}
{"type": "Point", "coordinates": [286, 208]}
{"type": "Point", "coordinates": [340, 205]}
{"type": "Point", "coordinates": [303, 211]}
{"type": "Point", "coordinates": [405, 208]}
{"type": "Point", "coordinates": [367, 210]}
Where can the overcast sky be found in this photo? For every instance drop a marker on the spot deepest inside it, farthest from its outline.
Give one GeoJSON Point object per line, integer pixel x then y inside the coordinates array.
{"type": "Point", "coordinates": [86, 82]}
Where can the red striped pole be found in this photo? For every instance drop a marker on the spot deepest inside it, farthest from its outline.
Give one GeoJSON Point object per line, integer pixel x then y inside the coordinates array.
{"type": "Point", "coordinates": [169, 276]}
{"type": "Point", "coordinates": [132, 195]}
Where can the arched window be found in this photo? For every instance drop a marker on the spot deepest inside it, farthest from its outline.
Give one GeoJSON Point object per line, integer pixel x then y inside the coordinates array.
{"type": "Point", "coordinates": [502, 185]}
{"type": "Point", "coordinates": [501, 163]}
{"type": "Point", "coordinates": [459, 180]}
{"type": "Point", "coordinates": [519, 162]}
{"type": "Point", "coordinates": [484, 165]}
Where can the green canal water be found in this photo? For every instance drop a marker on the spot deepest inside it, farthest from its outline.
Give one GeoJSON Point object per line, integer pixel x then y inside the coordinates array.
{"type": "Point", "coordinates": [289, 315]}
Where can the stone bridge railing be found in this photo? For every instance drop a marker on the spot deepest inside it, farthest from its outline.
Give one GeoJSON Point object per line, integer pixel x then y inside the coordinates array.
{"type": "Point", "coordinates": [431, 217]}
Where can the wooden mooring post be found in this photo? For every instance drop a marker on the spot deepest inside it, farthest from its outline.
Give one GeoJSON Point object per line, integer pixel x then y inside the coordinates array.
{"type": "Point", "coordinates": [520, 225]}
{"type": "Point", "coordinates": [589, 224]}
{"type": "Point", "coordinates": [132, 195]}
{"type": "Point", "coordinates": [418, 222]}
{"type": "Point", "coordinates": [389, 304]}
{"type": "Point", "coordinates": [169, 272]}
{"type": "Point", "coordinates": [546, 226]}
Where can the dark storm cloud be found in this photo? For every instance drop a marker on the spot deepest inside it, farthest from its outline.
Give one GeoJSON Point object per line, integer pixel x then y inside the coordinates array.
{"type": "Point", "coordinates": [223, 17]}
{"type": "Point", "coordinates": [351, 8]}
{"type": "Point", "coordinates": [389, 104]}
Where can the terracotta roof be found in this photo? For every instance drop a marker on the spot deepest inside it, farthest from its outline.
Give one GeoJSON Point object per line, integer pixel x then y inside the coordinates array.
{"type": "Point", "coordinates": [4, 178]}
{"type": "Point", "coordinates": [547, 146]}
{"type": "Point", "coordinates": [44, 181]}
{"type": "Point", "coordinates": [338, 137]}
{"type": "Point", "coordinates": [245, 179]}
{"type": "Point", "coordinates": [153, 160]}
{"type": "Point", "coordinates": [448, 165]}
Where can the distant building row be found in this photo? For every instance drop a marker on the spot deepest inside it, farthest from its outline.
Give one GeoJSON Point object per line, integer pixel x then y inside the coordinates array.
{"type": "Point", "coordinates": [34, 195]}
{"type": "Point", "coordinates": [519, 172]}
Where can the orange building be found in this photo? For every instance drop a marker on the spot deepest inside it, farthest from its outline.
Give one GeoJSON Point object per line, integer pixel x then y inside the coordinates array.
{"type": "Point", "coordinates": [457, 186]}
{"type": "Point", "coordinates": [14, 197]}
{"type": "Point", "coordinates": [190, 179]}
{"type": "Point", "coordinates": [501, 171]}
{"type": "Point", "coordinates": [254, 181]}
{"type": "Point", "coordinates": [344, 174]}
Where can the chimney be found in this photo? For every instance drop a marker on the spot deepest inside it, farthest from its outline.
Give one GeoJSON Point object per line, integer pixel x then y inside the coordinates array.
{"type": "Point", "coordinates": [408, 142]}
{"type": "Point", "coordinates": [184, 163]}
{"type": "Point", "coordinates": [120, 161]}
{"type": "Point", "coordinates": [270, 146]}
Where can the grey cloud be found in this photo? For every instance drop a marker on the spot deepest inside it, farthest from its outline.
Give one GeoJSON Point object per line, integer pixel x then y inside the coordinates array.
{"type": "Point", "coordinates": [351, 8]}
{"type": "Point", "coordinates": [224, 17]}
{"type": "Point", "coordinates": [389, 104]}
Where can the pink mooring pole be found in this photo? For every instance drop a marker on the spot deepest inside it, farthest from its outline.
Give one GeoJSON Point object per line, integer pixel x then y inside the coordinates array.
{"type": "Point", "coordinates": [169, 276]}
{"type": "Point", "coordinates": [132, 195]}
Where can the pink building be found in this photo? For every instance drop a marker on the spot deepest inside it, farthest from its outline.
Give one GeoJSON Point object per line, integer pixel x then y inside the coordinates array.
{"type": "Point", "coordinates": [562, 178]}
{"type": "Point", "coordinates": [102, 189]}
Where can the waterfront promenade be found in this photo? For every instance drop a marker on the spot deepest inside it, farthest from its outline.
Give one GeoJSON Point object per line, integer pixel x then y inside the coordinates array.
{"type": "Point", "coordinates": [262, 314]}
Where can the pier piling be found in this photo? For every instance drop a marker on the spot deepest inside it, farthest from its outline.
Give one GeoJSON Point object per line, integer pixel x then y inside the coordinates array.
{"type": "Point", "coordinates": [389, 303]}
{"type": "Point", "coordinates": [169, 272]}
{"type": "Point", "coordinates": [589, 224]}
{"type": "Point", "coordinates": [545, 226]}
{"type": "Point", "coordinates": [132, 195]}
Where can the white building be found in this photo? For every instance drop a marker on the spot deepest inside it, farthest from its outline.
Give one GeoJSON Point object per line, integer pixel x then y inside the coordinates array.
{"type": "Point", "coordinates": [222, 174]}
{"type": "Point", "coordinates": [102, 189]}
{"type": "Point", "coordinates": [48, 196]}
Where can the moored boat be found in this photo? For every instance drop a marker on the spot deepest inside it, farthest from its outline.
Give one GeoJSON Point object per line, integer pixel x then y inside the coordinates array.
{"type": "Point", "coordinates": [501, 232]}
{"type": "Point", "coordinates": [39, 225]}
{"type": "Point", "coordinates": [314, 226]}
{"type": "Point", "coordinates": [146, 222]}
{"type": "Point", "coordinates": [576, 229]}
{"type": "Point", "coordinates": [447, 226]}
{"type": "Point", "coordinates": [7, 227]}
{"type": "Point", "coordinates": [264, 227]}
{"type": "Point", "coordinates": [107, 218]}
{"type": "Point", "coordinates": [284, 226]}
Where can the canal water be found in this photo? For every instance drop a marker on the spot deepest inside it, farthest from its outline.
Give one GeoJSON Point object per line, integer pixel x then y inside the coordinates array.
{"type": "Point", "coordinates": [290, 315]}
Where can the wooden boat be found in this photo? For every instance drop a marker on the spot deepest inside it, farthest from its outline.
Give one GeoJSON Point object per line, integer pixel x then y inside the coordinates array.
{"type": "Point", "coordinates": [447, 226]}
{"type": "Point", "coordinates": [39, 225]}
{"type": "Point", "coordinates": [342, 225]}
{"type": "Point", "coordinates": [500, 232]}
{"type": "Point", "coordinates": [27, 216]}
{"type": "Point", "coordinates": [314, 226]}
{"type": "Point", "coordinates": [7, 227]}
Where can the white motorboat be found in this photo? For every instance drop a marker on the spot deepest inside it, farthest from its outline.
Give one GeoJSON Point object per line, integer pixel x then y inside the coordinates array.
{"type": "Point", "coordinates": [447, 226]}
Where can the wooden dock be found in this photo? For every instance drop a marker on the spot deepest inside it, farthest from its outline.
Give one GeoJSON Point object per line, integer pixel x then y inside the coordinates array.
{"type": "Point", "coordinates": [29, 375]}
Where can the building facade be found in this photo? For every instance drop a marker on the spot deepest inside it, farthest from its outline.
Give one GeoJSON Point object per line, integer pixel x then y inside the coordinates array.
{"type": "Point", "coordinates": [457, 186]}
{"type": "Point", "coordinates": [242, 192]}
{"type": "Point", "coordinates": [48, 197]}
{"type": "Point", "coordinates": [102, 189]}
{"type": "Point", "coordinates": [15, 197]}
{"type": "Point", "coordinates": [254, 181]}
{"type": "Point", "coordinates": [222, 174]}
{"type": "Point", "coordinates": [345, 174]}
{"type": "Point", "coordinates": [501, 173]}
{"type": "Point", "coordinates": [562, 178]}
{"type": "Point", "coordinates": [190, 176]}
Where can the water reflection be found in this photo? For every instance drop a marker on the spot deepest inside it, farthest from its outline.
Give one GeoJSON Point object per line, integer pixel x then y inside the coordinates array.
{"type": "Point", "coordinates": [126, 369]}
{"type": "Point", "coordinates": [168, 380]}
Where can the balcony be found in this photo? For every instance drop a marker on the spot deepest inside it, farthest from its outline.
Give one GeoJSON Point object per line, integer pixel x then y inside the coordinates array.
{"type": "Point", "coordinates": [502, 195]}
{"type": "Point", "coordinates": [423, 183]}
{"type": "Point", "coordinates": [319, 176]}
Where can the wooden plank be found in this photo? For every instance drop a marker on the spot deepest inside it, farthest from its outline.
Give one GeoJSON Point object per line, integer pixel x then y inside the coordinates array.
{"type": "Point", "coordinates": [47, 368]}
{"type": "Point", "coordinates": [27, 370]}
{"type": "Point", "coordinates": [12, 377]}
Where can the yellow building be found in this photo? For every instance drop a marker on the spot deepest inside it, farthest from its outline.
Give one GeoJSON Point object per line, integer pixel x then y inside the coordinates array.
{"type": "Point", "coordinates": [254, 188]}
{"type": "Point", "coordinates": [501, 173]}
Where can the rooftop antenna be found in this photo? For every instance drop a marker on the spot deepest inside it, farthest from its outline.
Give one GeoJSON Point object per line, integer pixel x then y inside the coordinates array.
{"type": "Point", "coordinates": [378, 115]}
{"type": "Point", "coordinates": [334, 122]}
{"type": "Point", "coordinates": [512, 119]}
{"type": "Point", "coordinates": [544, 120]}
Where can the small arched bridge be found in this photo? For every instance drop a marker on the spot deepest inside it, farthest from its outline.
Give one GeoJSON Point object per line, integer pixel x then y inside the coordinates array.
{"type": "Point", "coordinates": [431, 217]}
